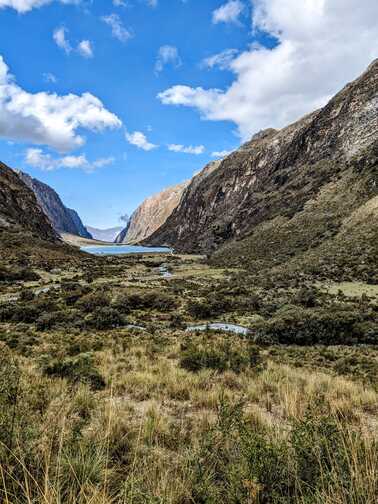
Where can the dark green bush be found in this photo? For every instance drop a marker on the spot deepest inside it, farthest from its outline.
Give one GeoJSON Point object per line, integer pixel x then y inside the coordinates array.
{"type": "Point", "coordinates": [79, 368]}
{"type": "Point", "coordinates": [317, 326]}
{"type": "Point", "coordinates": [91, 302]}
{"type": "Point", "coordinates": [150, 300]}
{"type": "Point", "coordinates": [15, 275]}
{"type": "Point", "coordinates": [49, 320]}
{"type": "Point", "coordinates": [105, 318]}
{"type": "Point", "coordinates": [220, 356]}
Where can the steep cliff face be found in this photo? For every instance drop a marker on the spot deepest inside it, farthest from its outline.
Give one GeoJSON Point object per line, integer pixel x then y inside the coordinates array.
{"type": "Point", "coordinates": [63, 219]}
{"type": "Point", "coordinates": [151, 214]}
{"type": "Point", "coordinates": [303, 180]}
{"type": "Point", "coordinates": [19, 210]}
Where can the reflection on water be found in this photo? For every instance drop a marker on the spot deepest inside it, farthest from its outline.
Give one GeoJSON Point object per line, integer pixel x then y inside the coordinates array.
{"type": "Point", "coordinates": [219, 326]}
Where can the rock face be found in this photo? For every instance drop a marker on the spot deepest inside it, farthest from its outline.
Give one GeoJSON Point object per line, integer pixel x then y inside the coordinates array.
{"type": "Point", "coordinates": [105, 235]}
{"type": "Point", "coordinates": [63, 219]}
{"type": "Point", "coordinates": [303, 181]}
{"type": "Point", "coordinates": [151, 214]}
{"type": "Point", "coordinates": [19, 209]}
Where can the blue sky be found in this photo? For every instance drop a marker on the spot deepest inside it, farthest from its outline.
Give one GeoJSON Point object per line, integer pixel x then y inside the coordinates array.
{"type": "Point", "coordinates": [164, 94]}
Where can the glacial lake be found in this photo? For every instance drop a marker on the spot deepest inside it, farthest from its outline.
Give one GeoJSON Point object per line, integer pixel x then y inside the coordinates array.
{"type": "Point", "coordinates": [123, 249]}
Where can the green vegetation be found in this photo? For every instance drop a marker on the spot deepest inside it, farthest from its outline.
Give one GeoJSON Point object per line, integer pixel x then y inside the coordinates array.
{"type": "Point", "coordinates": [95, 410]}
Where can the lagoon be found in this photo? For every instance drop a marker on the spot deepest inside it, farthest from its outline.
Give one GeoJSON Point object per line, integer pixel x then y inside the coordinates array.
{"type": "Point", "coordinates": [123, 249]}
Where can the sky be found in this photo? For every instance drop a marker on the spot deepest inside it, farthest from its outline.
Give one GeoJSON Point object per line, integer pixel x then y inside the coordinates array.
{"type": "Point", "coordinates": [110, 101]}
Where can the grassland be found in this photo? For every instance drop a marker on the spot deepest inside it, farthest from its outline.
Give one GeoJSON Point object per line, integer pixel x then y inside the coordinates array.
{"type": "Point", "coordinates": [93, 410]}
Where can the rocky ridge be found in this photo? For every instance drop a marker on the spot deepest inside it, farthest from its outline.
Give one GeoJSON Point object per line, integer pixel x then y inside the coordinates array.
{"type": "Point", "coordinates": [19, 209]}
{"type": "Point", "coordinates": [63, 219]}
{"type": "Point", "coordinates": [151, 214]}
{"type": "Point", "coordinates": [303, 181]}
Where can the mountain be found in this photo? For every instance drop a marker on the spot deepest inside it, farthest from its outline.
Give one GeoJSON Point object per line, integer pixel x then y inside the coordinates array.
{"type": "Point", "coordinates": [19, 209]}
{"type": "Point", "coordinates": [151, 214]}
{"type": "Point", "coordinates": [105, 235]}
{"type": "Point", "coordinates": [63, 219]}
{"type": "Point", "coordinates": [306, 187]}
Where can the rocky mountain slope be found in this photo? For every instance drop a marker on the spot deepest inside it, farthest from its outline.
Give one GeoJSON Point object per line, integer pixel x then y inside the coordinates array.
{"type": "Point", "coordinates": [19, 209]}
{"type": "Point", "coordinates": [289, 191]}
{"type": "Point", "coordinates": [151, 214]}
{"type": "Point", "coordinates": [63, 219]}
{"type": "Point", "coordinates": [105, 235]}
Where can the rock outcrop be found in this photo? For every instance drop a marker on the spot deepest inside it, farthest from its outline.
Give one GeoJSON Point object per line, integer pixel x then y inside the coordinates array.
{"type": "Point", "coordinates": [19, 209]}
{"type": "Point", "coordinates": [285, 191]}
{"type": "Point", "coordinates": [151, 214]}
{"type": "Point", "coordinates": [63, 219]}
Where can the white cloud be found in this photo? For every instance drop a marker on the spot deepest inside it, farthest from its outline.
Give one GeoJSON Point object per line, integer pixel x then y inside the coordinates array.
{"type": "Point", "coordinates": [199, 149]}
{"type": "Point", "coordinates": [38, 159]}
{"type": "Point", "coordinates": [152, 3]}
{"type": "Point", "coordinates": [311, 61]}
{"type": "Point", "coordinates": [118, 30]}
{"type": "Point", "coordinates": [47, 118]}
{"type": "Point", "coordinates": [119, 3]}
{"type": "Point", "coordinates": [167, 55]}
{"type": "Point", "coordinates": [229, 12]}
{"type": "Point", "coordinates": [61, 41]}
{"type": "Point", "coordinates": [23, 6]}
{"type": "Point", "coordinates": [222, 60]}
{"type": "Point", "coordinates": [220, 154]}
{"type": "Point", "coordinates": [49, 77]}
{"type": "Point", "coordinates": [139, 139]}
{"type": "Point", "coordinates": [85, 49]}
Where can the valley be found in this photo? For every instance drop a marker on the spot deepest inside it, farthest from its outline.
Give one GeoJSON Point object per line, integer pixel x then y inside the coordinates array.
{"type": "Point", "coordinates": [105, 354]}
{"type": "Point", "coordinates": [237, 363]}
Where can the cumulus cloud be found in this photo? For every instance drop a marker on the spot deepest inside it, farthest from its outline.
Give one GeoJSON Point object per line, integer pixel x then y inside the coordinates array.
{"type": "Point", "coordinates": [139, 139]}
{"type": "Point", "coordinates": [47, 118]}
{"type": "Point", "coordinates": [61, 40]}
{"type": "Point", "coordinates": [118, 29]}
{"type": "Point", "coordinates": [85, 49]}
{"type": "Point", "coordinates": [222, 60]}
{"type": "Point", "coordinates": [229, 12]}
{"type": "Point", "coordinates": [199, 149]}
{"type": "Point", "coordinates": [23, 6]}
{"type": "Point", "coordinates": [310, 62]}
{"type": "Point", "coordinates": [167, 55]}
{"type": "Point", "coordinates": [38, 159]}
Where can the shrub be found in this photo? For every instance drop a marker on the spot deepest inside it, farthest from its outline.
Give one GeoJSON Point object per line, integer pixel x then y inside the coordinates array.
{"type": "Point", "coordinates": [91, 302]}
{"type": "Point", "coordinates": [211, 307]}
{"type": "Point", "coordinates": [151, 300]}
{"type": "Point", "coordinates": [220, 356]}
{"type": "Point", "coordinates": [317, 326]}
{"type": "Point", "coordinates": [49, 320]}
{"type": "Point", "coordinates": [79, 368]}
{"type": "Point", "coordinates": [105, 318]}
{"type": "Point", "coordinates": [15, 275]}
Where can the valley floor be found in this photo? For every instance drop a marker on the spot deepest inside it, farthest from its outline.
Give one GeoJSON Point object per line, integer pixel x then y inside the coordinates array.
{"type": "Point", "coordinates": [105, 398]}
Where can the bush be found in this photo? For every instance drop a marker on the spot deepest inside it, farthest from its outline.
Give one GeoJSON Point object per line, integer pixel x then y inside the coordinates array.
{"type": "Point", "coordinates": [317, 326]}
{"type": "Point", "coordinates": [49, 320]}
{"type": "Point", "coordinates": [105, 318]}
{"type": "Point", "coordinates": [220, 356]}
{"type": "Point", "coordinates": [91, 302]}
{"type": "Point", "coordinates": [151, 300]}
{"type": "Point", "coordinates": [22, 274]}
{"type": "Point", "coordinates": [78, 369]}
{"type": "Point", "coordinates": [211, 307]}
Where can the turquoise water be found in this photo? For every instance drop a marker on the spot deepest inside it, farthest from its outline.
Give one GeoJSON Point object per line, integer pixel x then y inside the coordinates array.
{"type": "Point", "coordinates": [122, 249]}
